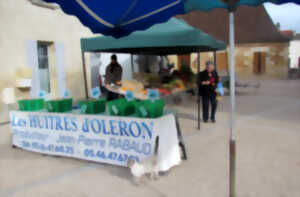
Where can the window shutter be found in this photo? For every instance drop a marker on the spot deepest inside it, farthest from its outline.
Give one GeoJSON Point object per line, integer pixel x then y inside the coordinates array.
{"type": "Point", "coordinates": [32, 61]}
{"type": "Point", "coordinates": [60, 68]}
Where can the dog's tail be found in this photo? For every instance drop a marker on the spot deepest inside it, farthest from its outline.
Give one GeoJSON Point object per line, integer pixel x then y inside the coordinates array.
{"type": "Point", "coordinates": [156, 145]}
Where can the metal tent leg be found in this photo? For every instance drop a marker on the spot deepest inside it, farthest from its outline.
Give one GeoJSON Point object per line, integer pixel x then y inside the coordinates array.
{"type": "Point", "coordinates": [84, 75]}
{"type": "Point", "coordinates": [232, 99]}
{"type": "Point", "coordinates": [215, 60]}
{"type": "Point", "coordinates": [180, 138]}
{"type": "Point", "coordinates": [198, 93]}
{"type": "Point", "coordinates": [132, 64]}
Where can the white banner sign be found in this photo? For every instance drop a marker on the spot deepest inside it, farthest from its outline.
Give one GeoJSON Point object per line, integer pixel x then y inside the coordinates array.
{"type": "Point", "coordinates": [106, 139]}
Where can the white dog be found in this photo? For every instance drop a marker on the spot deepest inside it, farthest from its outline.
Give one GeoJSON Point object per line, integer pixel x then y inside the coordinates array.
{"type": "Point", "coordinates": [147, 166]}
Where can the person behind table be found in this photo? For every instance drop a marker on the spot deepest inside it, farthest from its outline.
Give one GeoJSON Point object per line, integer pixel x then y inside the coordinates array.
{"type": "Point", "coordinates": [208, 80]}
{"type": "Point", "coordinates": [113, 75]}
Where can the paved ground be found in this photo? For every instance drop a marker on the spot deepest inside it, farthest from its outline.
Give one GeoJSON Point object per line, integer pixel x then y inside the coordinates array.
{"type": "Point", "coordinates": [268, 156]}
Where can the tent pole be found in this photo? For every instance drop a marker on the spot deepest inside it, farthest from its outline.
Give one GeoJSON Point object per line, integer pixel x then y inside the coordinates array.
{"type": "Point", "coordinates": [84, 75]}
{"type": "Point", "coordinates": [132, 66]}
{"type": "Point", "coordinates": [198, 87]}
{"type": "Point", "coordinates": [215, 60]}
{"type": "Point", "coordinates": [232, 99]}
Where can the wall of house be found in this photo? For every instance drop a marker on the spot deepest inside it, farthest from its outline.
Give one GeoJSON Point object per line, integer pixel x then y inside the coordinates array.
{"type": "Point", "coordinates": [277, 60]}
{"type": "Point", "coordinates": [294, 53]}
{"type": "Point", "coordinates": [22, 25]}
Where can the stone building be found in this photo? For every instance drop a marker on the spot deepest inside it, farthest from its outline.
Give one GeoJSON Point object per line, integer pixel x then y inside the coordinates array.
{"type": "Point", "coordinates": [261, 50]}
{"type": "Point", "coordinates": [40, 50]}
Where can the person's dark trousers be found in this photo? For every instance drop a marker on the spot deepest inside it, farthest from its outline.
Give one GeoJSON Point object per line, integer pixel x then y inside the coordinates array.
{"type": "Point", "coordinates": [111, 96]}
{"type": "Point", "coordinates": [206, 101]}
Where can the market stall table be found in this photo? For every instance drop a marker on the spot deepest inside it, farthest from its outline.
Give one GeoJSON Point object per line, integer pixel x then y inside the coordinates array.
{"type": "Point", "coordinates": [142, 96]}
{"type": "Point", "coordinates": [170, 38]}
{"type": "Point", "coordinates": [99, 138]}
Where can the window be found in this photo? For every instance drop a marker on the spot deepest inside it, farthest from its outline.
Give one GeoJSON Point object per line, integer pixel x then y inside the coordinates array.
{"type": "Point", "coordinates": [43, 62]}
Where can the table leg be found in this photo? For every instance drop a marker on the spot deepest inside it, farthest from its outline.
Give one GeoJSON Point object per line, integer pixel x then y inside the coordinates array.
{"type": "Point", "coordinates": [199, 107]}
{"type": "Point", "coordinates": [180, 138]}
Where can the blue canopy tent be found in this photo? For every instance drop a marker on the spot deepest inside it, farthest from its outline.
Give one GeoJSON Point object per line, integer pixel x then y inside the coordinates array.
{"type": "Point", "coordinates": [120, 18]}
{"type": "Point", "coordinates": [105, 17]}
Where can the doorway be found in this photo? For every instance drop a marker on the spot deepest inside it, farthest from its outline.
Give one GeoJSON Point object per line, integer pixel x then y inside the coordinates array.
{"type": "Point", "coordinates": [259, 63]}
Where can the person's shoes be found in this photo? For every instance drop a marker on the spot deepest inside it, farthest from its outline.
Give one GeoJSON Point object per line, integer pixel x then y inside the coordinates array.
{"type": "Point", "coordinates": [213, 120]}
{"type": "Point", "coordinates": [205, 121]}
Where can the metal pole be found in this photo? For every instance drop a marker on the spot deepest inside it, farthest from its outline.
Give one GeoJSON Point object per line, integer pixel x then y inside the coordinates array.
{"type": "Point", "coordinates": [215, 60]}
{"type": "Point", "coordinates": [198, 86]}
{"type": "Point", "coordinates": [84, 75]}
{"type": "Point", "coordinates": [132, 65]}
{"type": "Point", "coordinates": [232, 99]}
{"type": "Point", "coordinates": [180, 138]}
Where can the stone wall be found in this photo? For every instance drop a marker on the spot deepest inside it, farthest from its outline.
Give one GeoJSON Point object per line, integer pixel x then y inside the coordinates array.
{"type": "Point", "coordinates": [21, 21]}
{"type": "Point", "coordinates": [277, 60]}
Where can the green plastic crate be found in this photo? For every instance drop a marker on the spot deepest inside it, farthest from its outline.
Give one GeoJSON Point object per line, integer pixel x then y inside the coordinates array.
{"type": "Point", "coordinates": [92, 106]}
{"type": "Point", "coordinates": [67, 105]}
{"type": "Point", "coordinates": [24, 105]}
{"type": "Point", "coordinates": [150, 109]}
{"type": "Point", "coordinates": [52, 106]}
{"type": "Point", "coordinates": [121, 107]}
{"type": "Point", "coordinates": [59, 105]}
{"type": "Point", "coordinates": [38, 104]}
{"type": "Point", "coordinates": [141, 110]}
{"type": "Point", "coordinates": [31, 104]}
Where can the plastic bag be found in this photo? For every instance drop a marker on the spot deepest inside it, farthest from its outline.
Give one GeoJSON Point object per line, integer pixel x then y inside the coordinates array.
{"type": "Point", "coordinates": [220, 88]}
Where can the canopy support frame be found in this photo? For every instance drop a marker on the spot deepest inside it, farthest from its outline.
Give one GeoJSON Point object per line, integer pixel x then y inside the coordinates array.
{"type": "Point", "coordinates": [132, 64]}
{"type": "Point", "coordinates": [198, 91]}
{"type": "Point", "coordinates": [84, 74]}
{"type": "Point", "coordinates": [232, 147]}
{"type": "Point", "coordinates": [215, 60]}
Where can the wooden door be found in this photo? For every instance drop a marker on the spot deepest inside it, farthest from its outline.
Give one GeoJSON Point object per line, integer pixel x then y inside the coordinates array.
{"type": "Point", "coordinates": [256, 60]}
{"type": "Point", "coordinates": [259, 63]}
{"type": "Point", "coordinates": [262, 62]}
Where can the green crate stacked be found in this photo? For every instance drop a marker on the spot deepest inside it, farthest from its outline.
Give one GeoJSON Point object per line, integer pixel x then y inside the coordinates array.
{"type": "Point", "coordinates": [150, 109]}
{"type": "Point", "coordinates": [121, 107]}
{"type": "Point", "coordinates": [59, 105]}
{"type": "Point", "coordinates": [31, 104]}
{"type": "Point", "coordinates": [92, 106]}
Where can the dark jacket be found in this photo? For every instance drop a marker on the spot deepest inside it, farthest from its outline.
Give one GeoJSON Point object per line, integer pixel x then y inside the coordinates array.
{"type": "Point", "coordinates": [113, 73]}
{"type": "Point", "coordinates": [208, 90]}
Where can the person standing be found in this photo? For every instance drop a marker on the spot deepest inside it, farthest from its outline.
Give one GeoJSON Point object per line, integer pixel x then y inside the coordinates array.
{"type": "Point", "coordinates": [208, 80]}
{"type": "Point", "coordinates": [113, 75]}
